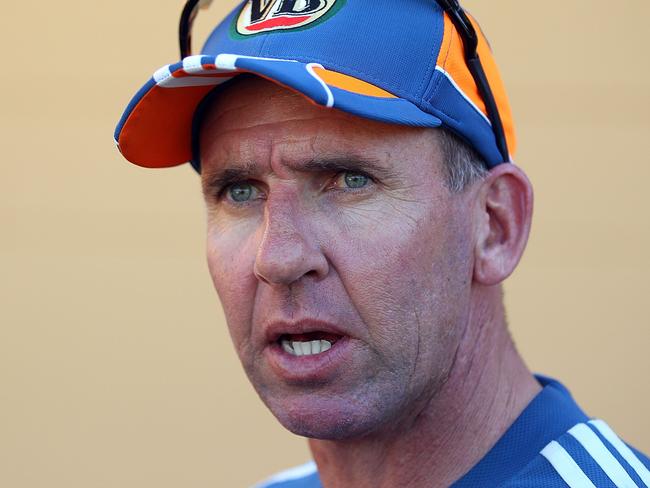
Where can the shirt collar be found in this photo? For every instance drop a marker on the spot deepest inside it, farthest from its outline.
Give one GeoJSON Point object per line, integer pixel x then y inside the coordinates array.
{"type": "Point", "coordinates": [549, 415]}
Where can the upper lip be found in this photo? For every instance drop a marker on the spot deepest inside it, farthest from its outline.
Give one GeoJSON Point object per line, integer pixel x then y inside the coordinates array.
{"type": "Point", "coordinates": [274, 330]}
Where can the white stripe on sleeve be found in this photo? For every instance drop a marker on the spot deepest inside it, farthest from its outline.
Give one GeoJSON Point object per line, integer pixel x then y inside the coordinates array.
{"type": "Point", "coordinates": [623, 450]}
{"type": "Point", "coordinates": [565, 466]}
{"type": "Point", "coordinates": [597, 450]}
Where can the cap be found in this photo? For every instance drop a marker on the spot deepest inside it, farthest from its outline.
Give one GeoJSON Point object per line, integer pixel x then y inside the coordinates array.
{"type": "Point", "coordinates": [395, 61]}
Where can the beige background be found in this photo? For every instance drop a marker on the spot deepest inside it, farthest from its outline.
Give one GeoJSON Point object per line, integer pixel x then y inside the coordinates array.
{"type": "Point", "coordinates": [115, 366]}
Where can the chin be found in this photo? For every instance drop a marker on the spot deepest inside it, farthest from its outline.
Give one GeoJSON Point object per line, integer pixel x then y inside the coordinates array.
{"type": "Point", "coordinates": [329, 418]}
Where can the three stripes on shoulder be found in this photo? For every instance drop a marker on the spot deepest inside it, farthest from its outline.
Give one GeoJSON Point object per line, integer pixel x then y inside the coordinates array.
{"type": "Point", "coordinates": [567, 467]}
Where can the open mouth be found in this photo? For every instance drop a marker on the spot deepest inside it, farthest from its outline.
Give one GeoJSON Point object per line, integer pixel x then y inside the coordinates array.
{"type": "Point", "coordinates": [309, 344]}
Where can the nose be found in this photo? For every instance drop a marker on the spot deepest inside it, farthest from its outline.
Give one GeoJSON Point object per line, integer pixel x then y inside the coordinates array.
{"type": "Point", "coordinates": [288, 250]}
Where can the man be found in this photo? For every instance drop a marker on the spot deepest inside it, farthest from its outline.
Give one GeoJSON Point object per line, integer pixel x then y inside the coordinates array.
{"type": "Point", "coordinates": [363, 211]}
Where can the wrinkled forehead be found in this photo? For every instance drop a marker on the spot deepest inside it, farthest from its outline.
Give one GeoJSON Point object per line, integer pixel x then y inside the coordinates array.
{"type": "Point", "coordinates": [250, 111]}
{"type": "Point", "coordinates": [249, 101]}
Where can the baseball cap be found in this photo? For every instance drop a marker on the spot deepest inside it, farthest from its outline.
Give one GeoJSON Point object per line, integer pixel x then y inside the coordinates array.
{"type": "Point", "coordinates": [396, 61]}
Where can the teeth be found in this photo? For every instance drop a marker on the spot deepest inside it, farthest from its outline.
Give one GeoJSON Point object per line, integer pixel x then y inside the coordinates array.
{"type": "Point", "coordinates": [311, 348]}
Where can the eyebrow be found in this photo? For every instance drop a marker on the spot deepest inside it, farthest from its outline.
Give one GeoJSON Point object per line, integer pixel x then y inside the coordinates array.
{"type": "Point", "coordinates": [221, 178]}
{"type": "Point", "coordinates": [351, 163]}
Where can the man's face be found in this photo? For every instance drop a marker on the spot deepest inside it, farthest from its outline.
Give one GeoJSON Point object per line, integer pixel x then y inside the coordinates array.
{"type": "Point", "coordinates": [337, 230]}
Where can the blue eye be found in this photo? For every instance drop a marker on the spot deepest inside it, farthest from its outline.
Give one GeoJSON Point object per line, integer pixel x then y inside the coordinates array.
{"type": "Point", "coordinates": [240, 192]}
{"type": "Point", "coordinates": [356, 180]}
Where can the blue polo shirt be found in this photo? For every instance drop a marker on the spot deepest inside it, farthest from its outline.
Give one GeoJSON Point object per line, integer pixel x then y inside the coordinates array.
{"type": "Point", "coordinates": [552, 444]}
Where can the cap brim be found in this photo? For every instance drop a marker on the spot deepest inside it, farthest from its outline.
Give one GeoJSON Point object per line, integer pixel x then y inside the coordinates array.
{"type": "Point", "coordinates": [155, 130]}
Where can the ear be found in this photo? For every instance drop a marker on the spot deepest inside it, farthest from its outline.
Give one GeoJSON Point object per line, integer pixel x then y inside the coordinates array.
{"type": "Point", "coordinates": [503, 215]}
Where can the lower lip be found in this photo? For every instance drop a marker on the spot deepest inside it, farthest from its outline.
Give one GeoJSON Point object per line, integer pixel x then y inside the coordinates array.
{"type": "Point", "coordinates": [312, 368]}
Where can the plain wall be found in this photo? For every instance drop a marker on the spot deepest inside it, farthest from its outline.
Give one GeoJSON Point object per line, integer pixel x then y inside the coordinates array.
{"type": "Point", "coordinates": [116, 369]}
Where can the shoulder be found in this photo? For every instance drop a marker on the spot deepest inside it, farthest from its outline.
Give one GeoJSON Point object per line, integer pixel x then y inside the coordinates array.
{"type": "Point", "coordinates": [589, 455]}
{"type": "Point", "coordinates": [304, 476]}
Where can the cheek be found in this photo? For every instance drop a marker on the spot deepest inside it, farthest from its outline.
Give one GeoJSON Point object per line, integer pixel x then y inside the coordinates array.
{"type": "Point", "coordinates": [409, 276]}
{"type": "Point", "coordinates": [230, 261]}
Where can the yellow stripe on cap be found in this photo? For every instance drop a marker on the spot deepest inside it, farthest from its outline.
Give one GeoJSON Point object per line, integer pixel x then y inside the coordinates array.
{"type": "Point", "coordinates": [351, 84]}
{"type": "Point", "coordinates": [451, 59]}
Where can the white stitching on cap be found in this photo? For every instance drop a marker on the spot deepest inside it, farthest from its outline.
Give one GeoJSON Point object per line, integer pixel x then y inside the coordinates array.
{"type": "Point", "coordinates": [162, 74]}
{"type": "Point", "coordinates": [192, 64]}
{"type": "Point", "coordinates": [226, 62]}
{"type": "Point", "coordinates": [330, 96]}
{"type": "Point", "coordinates": [469, 100]}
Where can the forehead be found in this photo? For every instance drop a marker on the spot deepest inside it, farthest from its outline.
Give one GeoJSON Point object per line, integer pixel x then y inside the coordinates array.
{"type": "Point", "coordinates": [251, 114]}
{"type": "Point", "coordinates": [249, 100]}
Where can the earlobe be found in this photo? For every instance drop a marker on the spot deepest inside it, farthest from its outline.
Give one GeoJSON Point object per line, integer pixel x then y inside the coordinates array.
{"type": "Point", "coordinates": [503, 216]}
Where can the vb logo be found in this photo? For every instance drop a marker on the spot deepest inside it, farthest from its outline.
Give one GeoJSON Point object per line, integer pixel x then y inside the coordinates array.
{"type": "Point", "coordinates": [269, 15]}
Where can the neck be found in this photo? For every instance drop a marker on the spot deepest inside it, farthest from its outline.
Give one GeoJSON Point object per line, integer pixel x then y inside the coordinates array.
{"type": "Point", "coordinates": [487, 388]}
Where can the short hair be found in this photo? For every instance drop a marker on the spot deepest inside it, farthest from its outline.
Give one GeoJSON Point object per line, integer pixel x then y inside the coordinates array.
{"type": "Point", "coordinates": [461, 162]}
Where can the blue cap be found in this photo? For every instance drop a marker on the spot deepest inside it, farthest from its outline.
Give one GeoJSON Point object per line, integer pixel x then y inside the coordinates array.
{"type": "Point", "coordinates": [399, 62]}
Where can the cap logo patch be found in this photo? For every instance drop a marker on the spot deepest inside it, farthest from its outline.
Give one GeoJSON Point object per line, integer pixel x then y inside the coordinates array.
{"type": "Point", "coordinates": [260, 16]}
